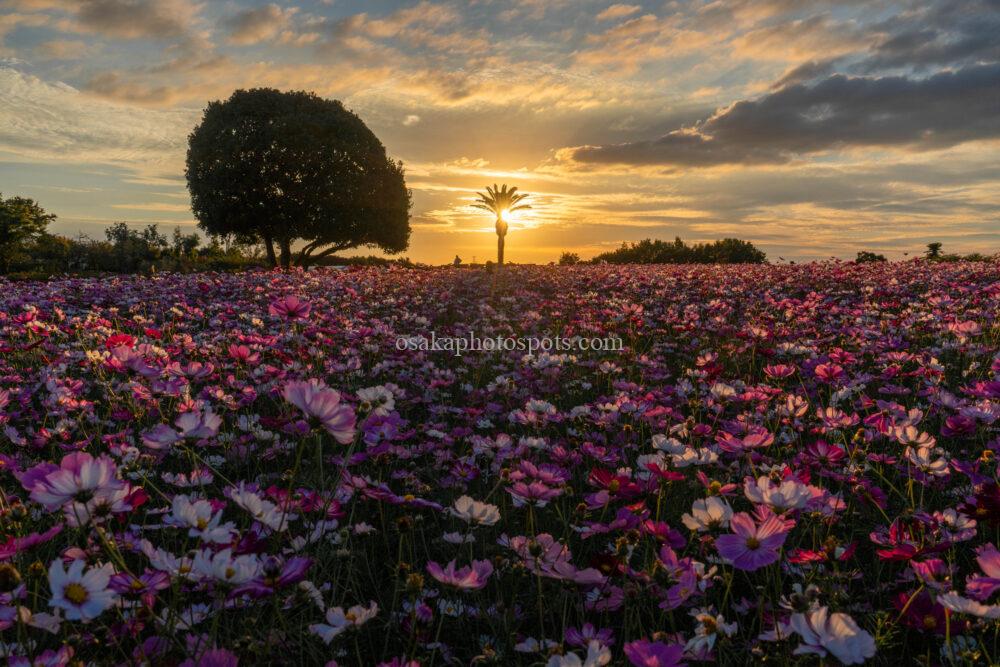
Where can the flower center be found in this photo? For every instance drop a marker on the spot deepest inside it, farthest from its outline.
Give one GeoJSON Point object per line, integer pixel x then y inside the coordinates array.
{"type": "Point", "coordinates": [753, 543]}
{"type": "Point", "coordinates": [76, 593]}
{"type": "Point", "coordinates": [930, 622]}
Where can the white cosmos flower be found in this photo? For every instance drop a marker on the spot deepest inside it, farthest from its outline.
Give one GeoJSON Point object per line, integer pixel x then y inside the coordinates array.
{"type": "Point", "coordinates": [263, 511]}
{"type": "Point", "coordinates": [223, 567]}
{"type": "Point", "coordinates": [597, 656]}
{"type": "Point", "coordinates": [337, 620]}
{"type": "Point", "coordinates": [823, 632]}
{"type": "Point", "coordinates": [708, 513]}
{"type": "Point", "coordinates": [790, 494]}
{"type": "Point", "coordinates": [923, 459]}
{"type": "Point", "coordinates": [474, 512]}
{"type": "Point", "coordinates": [957, 603]}
{"type": "Point", "coordinates": [200, 519]}
{"type": "Point", "coordinates": [82, 595]}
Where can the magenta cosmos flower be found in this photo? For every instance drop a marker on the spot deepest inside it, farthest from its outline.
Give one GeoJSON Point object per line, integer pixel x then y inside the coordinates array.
{"type": "Point", "coordinates": [752, 547]}
{"type": "Point", "coordinates": [644, 653]}
{"type": "Point", "coordinates": [290, 307]}
{"type": "Point", "coordinates": [468, 578]}
{"type": "Point", "coordinates": [322, 404]}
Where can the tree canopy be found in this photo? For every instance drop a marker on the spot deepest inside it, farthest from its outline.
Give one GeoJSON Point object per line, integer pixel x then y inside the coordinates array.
{"type": "Point", "coordinates": [21, 220]}
{"type": "Point", "coordinates": [280, 168]}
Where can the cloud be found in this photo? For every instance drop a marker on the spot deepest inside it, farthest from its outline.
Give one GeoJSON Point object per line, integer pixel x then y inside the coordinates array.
{"type": "Point", "coordinates": [800, 39]}
{"type": "Point", "coordinates": [53, 122]}
{"type": "Point", "coordinates": [411, 120]}
{"type": "Point", "coordinates": [134, 19]}
{"type": "Point", "coordinates": [260, 24]}
{"type": "Point", "coordinates": [156, 207]}
{"type": "Point", "coordinates": [63, 49]}
{"type": "Point", "coordinates": [947, 32]}
{"type": "Point", "coordinates": [943, 110]}
{"type": "Point", "coordinates": [617, 11]}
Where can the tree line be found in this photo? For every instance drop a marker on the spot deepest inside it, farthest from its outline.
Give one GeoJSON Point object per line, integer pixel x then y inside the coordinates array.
{"type": "Point", "coordinates": [649, 251]}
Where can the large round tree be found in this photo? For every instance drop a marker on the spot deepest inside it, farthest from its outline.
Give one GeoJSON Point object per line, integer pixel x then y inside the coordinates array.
{"type": "Point", "coordinates": [295, 172]}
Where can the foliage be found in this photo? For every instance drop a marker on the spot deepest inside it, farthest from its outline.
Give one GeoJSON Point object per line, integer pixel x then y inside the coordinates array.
{"type": "Point", "coordinates": [276, 168]}
{"type": "Point", "coordinates": [21, 222]}
{"type": "Point", "coordinates": [648, 251]}
{"type": "Point", "coordinates": [933, 250]}
{"type": "Point", "coordinates": [569, 258]}
{"type": "Point", "coordinates": [779, 465]}
{"type": "Point", "coordinates": [866, 256]}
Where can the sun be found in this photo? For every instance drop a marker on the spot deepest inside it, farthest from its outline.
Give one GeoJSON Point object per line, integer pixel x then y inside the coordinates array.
{"type": "Point", "coordinates": [506, 215]}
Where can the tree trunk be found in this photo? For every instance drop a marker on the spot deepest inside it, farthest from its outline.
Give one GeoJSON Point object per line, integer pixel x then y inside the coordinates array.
{"type": "Point", "coordinates": [272, 259]}
{"type": "Point", "coordinates": [286, 253]}
{"type": "Point", "coordinates": [500, 250]}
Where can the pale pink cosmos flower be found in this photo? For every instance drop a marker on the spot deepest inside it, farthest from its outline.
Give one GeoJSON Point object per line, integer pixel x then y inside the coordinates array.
{"type": "Point", "coordinates": [197, 424]}
{"type": "Point", "coordinates": [982, 587]}
{"type": "Point", "coordinates": [467, 578]}
{"type": "Point", "coordinates": [752, 547]}
{"type": "Point", "coordinates": [823, 633]}
{"type": "Point", "coordinates": [79, 476]}
{"type": "Point", "coordinates": [790, 494]}
{"type": "Point", "coordinates": [322, 404]}
{"type": "Point", "coordinates": [290, 307]}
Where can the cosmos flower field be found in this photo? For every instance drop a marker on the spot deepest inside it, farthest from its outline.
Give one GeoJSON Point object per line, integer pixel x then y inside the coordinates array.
{"type": "Point", "coordinates": [785, 463]}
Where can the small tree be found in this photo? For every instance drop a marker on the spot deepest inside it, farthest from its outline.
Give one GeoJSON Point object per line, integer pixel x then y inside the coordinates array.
{"type": "Point", "coordinates": [276, 168]}
{"type": "Point", "coordinates": [501, 202]}
{"type": "Point", "coordinates": [933, 250]}
{"type": "Point", "coordinates": [569, 258]}
{"type": "Point", "coordinates": [868, 257]}
{"type": "Point", "coordinates": [21, 221]}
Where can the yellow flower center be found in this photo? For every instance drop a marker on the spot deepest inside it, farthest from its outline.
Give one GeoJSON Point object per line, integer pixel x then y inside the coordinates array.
{"type": "Point", "coordinates": [76, 593]}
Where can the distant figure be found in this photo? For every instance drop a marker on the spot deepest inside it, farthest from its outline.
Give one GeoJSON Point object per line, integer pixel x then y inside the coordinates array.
{"type": "Point", "coordinates": [457, 261]}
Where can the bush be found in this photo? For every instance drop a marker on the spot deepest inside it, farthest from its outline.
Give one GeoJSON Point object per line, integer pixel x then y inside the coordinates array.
{"type": "Point", "coordinates": [648, 251]}
{"type": "Point", "coordinates": [867, 257]}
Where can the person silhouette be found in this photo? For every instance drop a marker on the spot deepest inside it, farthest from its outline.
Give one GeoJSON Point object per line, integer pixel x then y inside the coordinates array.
{"type": "Point", "coordinates": [457, 261]}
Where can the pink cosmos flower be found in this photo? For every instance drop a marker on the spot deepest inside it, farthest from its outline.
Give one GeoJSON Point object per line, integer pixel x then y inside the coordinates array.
{"type": "Point", "coordinates": [198, 424]}
{"type": "Point", "coordinates": [644, 653]}
{"type": "Point", "coordinates": [290, 307]}
{"type": "Point", "coordinates": [468, 578]}
{"type": "Point", "coordinates": [752, 547]}
{"type": "Point", "coordinates": [322, 404]}
{"type": "Point", "coordinates": [982, 588]}
{"type": "Point", "coordinates": [79, 476]}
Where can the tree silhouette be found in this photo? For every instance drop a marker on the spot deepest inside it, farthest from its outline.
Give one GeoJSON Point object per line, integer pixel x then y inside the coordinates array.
{"type": "Point", "coordinates": [933, 250]}
{"type": "Point", "coordinates": [275, 168]}
{"type": "Point", "coordinates": [501, 202]}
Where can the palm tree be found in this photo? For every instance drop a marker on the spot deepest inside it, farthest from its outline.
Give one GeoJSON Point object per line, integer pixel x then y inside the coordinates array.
{"type": "Point", "coordinates": [501, 202]}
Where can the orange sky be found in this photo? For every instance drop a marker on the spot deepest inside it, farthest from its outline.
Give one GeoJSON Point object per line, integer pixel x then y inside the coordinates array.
{"type": "Point", "coordinates": [812, 129]}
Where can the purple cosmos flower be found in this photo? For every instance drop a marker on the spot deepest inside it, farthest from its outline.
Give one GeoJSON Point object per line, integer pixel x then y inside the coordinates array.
{"type": "Point", "coordinates": [644, 653]}
{"type": "Point", "coordinates": [752, 546]}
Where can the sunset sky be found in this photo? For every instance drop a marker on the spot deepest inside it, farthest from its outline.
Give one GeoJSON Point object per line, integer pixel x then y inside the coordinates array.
{"type": "Point", "coordinates": [810, 128]}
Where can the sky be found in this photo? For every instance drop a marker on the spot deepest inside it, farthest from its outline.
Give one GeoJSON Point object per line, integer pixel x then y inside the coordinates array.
{"type": "Point", "coordinates": [812, 129]}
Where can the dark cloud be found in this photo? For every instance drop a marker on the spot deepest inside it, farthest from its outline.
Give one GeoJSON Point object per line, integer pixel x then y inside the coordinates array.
{"type": "Point", "coordinates": [934, 34]}
{"type": "Point", "coordinates": [945, 109]}
{"type": "Point", "coordinates": [133, 19]}
{"type": "Point", "coordinates": [259, 24]}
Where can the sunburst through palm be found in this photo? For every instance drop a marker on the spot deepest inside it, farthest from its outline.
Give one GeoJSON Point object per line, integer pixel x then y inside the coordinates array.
{"type": "Point", "coordinates": [502, 202]}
